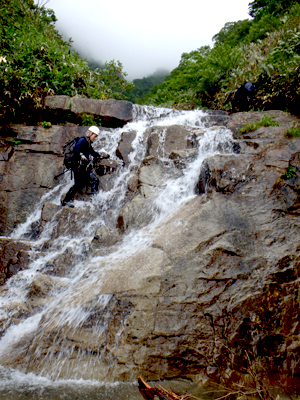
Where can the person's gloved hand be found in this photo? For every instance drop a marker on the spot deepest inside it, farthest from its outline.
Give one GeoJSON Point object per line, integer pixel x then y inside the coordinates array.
{"type": "Point", "coordinates": [96, 157]}
{"type": "Point", "coordinates": [83, 157]}
{"type": "Point", "coordinates": [103, 155]}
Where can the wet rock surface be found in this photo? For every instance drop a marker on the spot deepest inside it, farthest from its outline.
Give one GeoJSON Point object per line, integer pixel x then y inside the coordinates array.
{"type": "Point", "coordinates": [14, 257]}
{"type": "Point", "coordinates": [215, 293]}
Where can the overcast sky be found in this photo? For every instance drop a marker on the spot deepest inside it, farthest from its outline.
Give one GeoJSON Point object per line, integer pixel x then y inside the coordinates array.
{"type": "Point", "coordinates": [143, 35]}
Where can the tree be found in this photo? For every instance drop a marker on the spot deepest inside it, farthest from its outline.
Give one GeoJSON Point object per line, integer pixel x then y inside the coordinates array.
{"type": "Point", "coordinates": [258, 8]}
{"type": "Point", "coordinates": [233, 33]}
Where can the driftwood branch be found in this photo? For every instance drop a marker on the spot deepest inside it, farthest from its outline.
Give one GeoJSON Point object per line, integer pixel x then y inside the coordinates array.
{"type": "Point", "coordinates": [150, 393]}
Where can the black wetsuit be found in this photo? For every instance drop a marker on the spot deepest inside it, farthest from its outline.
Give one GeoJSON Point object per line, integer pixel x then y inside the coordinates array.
{"type": "Point", "coordinates": [82, 169]}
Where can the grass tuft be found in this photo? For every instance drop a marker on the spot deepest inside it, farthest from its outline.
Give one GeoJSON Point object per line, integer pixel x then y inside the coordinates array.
{"type": "Point", "coordinates": [266, 120]}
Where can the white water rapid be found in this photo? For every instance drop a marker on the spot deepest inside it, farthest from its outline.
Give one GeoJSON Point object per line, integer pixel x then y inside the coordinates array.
{"type": "Point", "coordinates": [75, 294]}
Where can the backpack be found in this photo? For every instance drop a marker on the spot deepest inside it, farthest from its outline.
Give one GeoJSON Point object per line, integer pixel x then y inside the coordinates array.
{"type": "Point", "coordinates": [69, 155]}
{"type": "Point", "coordinates": [249, 86]}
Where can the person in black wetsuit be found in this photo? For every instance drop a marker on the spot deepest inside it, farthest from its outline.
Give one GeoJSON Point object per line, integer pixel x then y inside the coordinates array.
{"type": "Point", "coordinates": [242, 98]}
{"type": "Point", "coordinates": [84, 154]}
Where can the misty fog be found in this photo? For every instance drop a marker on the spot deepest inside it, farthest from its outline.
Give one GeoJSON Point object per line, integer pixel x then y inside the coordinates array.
{"type": "Point", "coordinates": [144, 36]}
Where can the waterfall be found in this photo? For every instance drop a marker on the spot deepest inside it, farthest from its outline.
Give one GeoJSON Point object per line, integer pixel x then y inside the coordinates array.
{"type": "Point", "coordinates": [77, 297]}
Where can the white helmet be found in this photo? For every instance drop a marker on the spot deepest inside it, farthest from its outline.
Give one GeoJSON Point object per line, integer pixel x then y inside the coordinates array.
{"type": "Point", "coordinates": [94, 130]}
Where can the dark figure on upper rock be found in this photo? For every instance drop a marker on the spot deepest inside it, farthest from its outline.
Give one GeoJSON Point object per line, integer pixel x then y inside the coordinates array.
{"type": "Point", "coordinates": [242, 98]}
{"type": "Point", "coordinates": [82, 165]}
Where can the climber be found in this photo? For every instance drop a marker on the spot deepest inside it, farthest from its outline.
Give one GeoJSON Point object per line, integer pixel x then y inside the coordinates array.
{"type": "Point", "coordinates": [82, 166]}
{"type": "Point", "coordinates": [241, 98]}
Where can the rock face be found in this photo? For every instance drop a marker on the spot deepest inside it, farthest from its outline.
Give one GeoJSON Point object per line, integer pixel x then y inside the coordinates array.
{"type": "Point", "coordinates": [214, 293]}
{"type": "Point", "coordinates": [114, 113]}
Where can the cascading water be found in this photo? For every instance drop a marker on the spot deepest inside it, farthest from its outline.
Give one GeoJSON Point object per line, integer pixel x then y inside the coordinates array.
{"type": "Point", "coordinates": [74, 297]}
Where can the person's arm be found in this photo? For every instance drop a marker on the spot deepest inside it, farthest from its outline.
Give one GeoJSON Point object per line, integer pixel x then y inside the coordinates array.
{"type": "Point", "coordinates": [99, 156]}
{"type": "Point", "coordinates": [82, 148]}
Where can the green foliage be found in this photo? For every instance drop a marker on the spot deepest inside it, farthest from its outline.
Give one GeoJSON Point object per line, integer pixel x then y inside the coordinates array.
{"type": "Point", "coordinates": [268, 121]}
{"type": "Point", "coordinates": [249, 128]}
{"type": "Point", "coordinates": [198, 77]}
{"type": "Point", "coordinates": [287, 49]}
{"type": "Point", "coordinates": [291, 171]}
{"type": "Point", "coordinates": [90, 119]}
{"type": "Point", "coordinates": [46, 124]}
{"type": "Point", "coordinates": [109, 82]}
{"type": "Point", "coordinates": [258, 8]}
{"type": "Point", "coordinates": [233, 33]}
{"type": "Point", "coordinates": [260, 29]}
{"type": "Point", "coordinates": [14, 142]}
{"type": "Point", "coordinates": [35, 61]}
{"type": "Point", "coordinates": [293, 132]}
{"type": "Point", "coordinates": [265, 121]}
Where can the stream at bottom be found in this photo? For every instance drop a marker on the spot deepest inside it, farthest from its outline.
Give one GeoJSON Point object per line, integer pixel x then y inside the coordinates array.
{"type": "Point", "coordinates": [18, 386]}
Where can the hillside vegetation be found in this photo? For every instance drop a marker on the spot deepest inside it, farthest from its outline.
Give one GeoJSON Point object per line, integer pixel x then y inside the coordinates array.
{"type": "Point", "coordinates": [35, 61]}
{"type": "Point", "coordinates": [144, 85]}
{"type": "Point", "coordinates": [264, 50]}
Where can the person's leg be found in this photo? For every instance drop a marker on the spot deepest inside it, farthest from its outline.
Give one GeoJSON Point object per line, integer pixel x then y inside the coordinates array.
{"type": "Point", "coordinates": [70, 195]}
{"type": "Point", "coordinates": [77, 187]}
{"type": "Point", "coordinates": [233, 106]}
{"type": "Point", "coordinates": [94, 182]}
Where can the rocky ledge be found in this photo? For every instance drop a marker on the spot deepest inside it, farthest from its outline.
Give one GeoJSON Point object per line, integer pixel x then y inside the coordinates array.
{"type": "Point", "coordinates": [112, 113]}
